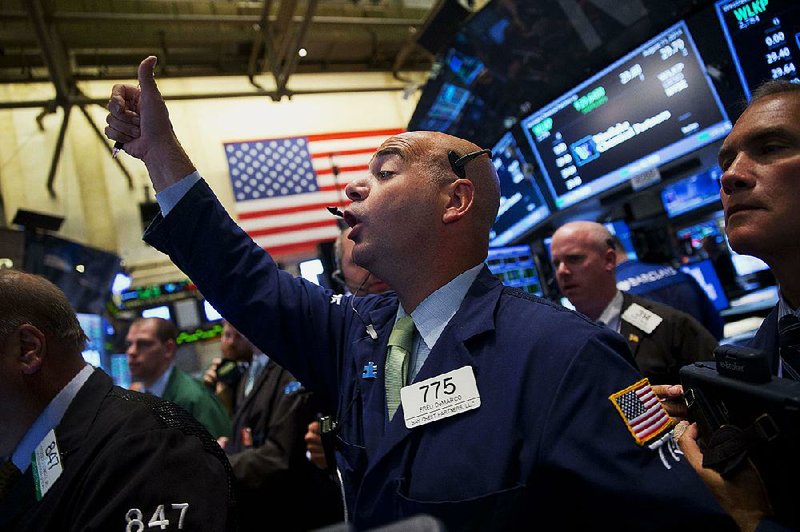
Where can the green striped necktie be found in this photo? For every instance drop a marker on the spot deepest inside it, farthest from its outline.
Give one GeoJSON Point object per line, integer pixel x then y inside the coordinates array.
{"type": "Point", "coordinates": [401, 342]}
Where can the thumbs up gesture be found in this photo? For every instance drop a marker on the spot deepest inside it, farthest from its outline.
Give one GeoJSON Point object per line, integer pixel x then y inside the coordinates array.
{"type": "Point", "coordinates": [138, 118]}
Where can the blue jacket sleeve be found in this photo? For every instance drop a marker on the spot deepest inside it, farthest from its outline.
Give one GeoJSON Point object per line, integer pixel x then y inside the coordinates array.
{"type": "Point", "coordinates": [297, 323]}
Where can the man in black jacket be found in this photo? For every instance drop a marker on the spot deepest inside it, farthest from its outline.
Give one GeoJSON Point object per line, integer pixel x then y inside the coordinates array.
{"type": "Point", "coordinates": [662, 339]}
{"type": "Point", "coordinates": [78, 453]}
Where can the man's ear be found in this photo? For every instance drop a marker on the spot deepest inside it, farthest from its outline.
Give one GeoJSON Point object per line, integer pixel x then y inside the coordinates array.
{"type": "Point", "coordinates": [461, 196]}
{"type": "Point", "coordinates": [172, 348]}
{"type": "Point", "coordinates": [32, 348]}
{"type": "Point", "coordinates": [611, 259]}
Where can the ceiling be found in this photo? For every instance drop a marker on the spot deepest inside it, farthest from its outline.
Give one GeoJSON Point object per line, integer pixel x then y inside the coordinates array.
{"type": "Point", "coordinates": [67, 41]}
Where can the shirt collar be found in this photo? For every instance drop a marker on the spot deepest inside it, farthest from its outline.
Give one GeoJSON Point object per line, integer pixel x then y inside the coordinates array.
{"type": "Point", "coordinates": [610, 315]}
{"type": "Point", "coordinates": [435, 312]}
{"type": "Point", "coordinates": [49, 419]}
{"type": "Point", "coordinates": [260, 360]}
{"type": "Point", "coordinates": [160, 385]}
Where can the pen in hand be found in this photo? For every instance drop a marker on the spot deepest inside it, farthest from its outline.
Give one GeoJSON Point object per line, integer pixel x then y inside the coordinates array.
{"type": "Point", "coordinates": [115, 150]}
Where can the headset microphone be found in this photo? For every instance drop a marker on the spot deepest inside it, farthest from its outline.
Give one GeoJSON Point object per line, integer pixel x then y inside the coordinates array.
{"type": "Point", "coordinates": [336, 212]}
{"type": "Point", "coordinates": [370, 329]}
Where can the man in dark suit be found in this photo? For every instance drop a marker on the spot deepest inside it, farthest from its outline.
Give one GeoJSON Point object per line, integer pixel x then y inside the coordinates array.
{"type": "Point", "coordinates": [104, 458]}
{"type": "Point", "coordinates": [267, 452]}
{"type": "Point", "coordinates": [661, 338]}
{"type": "Point", "coordinates": [420, 376]}
{"type": "Point", "coordinates": [760, 161]}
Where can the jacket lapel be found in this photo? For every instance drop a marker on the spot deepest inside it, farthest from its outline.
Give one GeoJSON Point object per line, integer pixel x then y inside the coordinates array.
{"type": "Point", "coordinates": [451, 352]}
{"type": "Point", "coordinates": [633, 335]}
{"type": "Point", "coordinates": [369, 357]}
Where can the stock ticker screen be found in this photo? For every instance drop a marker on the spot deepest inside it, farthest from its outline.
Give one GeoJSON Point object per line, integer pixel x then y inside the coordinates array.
{"type": "Point", "coordinates": [521, 203]}
{"type": "Point", "coordinates": [764, 39]}
{"type": "Point", "coordinates": [650, 107]}
{"type": "Point", "coordinates": [514, 266]}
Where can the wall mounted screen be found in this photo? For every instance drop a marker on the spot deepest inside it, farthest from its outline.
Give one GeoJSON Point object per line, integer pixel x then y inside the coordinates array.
{"type": "Point", "coordinates": [652, 106]}
{"type": "Point", "coordinates": [764, 39]}
{"type": "Point", "coordinates": [521, 203]}
{"type": "Point", "coordinates": [690, 193]}
{"type": "Point", "coordinates": [514, 266]}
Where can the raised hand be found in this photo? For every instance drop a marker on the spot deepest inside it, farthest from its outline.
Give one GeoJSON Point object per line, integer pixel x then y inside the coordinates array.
{"type": "Point", "coordinates": [138, 117]}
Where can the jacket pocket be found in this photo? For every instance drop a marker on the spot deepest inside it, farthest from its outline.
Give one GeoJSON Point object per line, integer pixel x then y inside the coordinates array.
{"type": "Point", "coordinates": [499, 510]}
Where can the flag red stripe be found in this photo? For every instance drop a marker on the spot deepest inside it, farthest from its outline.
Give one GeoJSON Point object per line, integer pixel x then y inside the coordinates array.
{"type": "Point", "coordinates": [354, 134]}
{"type": "Point", "coordinates": [328, 188]}
{"type": "Point", "coordinates": [289, 210]}
{"type": "Point", "coordinates": [341, 153]}
{"type": "Point", "coordinates": [294, 227]}
{"type": "Point", "coordinates": [356, 168]}
{"type": "Point", "coordinates": [654, 429]}
{"type": "Point", "coordinates": [653, 418]}
{"type": "Point", "coordinates": [305, 248]}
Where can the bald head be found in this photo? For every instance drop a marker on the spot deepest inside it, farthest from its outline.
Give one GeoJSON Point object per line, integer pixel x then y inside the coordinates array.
{"type": "Point", "coordinates": [429, 150]}
{"type": "Point", "coordinates": [31, 299]}
{"type": "Point", "coordinates": [585, 260]}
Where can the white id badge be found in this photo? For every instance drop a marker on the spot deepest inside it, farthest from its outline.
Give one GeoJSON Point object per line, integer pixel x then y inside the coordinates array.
{"type": "Point", "coordinates": [640, 317]}
{"type": "Point", "coordinates": [46, 464]}
{"type": "Point", "coordinates": [445, 395]}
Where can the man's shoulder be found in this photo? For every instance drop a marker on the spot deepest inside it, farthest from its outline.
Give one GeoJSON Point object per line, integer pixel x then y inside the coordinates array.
{"type": "Point", "coordinates": [182, 386]}
{"type": "Point", "coordinates": [664, 311]}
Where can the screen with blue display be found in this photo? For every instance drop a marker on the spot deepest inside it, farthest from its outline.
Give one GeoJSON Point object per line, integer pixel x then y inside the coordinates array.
{"type": "Point", "coordinates": [514, 266]}
{"type": "Point", "coordinates": [446, 108]}
{"type": "Point", "coordinates": [94, 351]}
{"type": "Point", "coordinates": [764, 39]}
{"type": "Point", "coordinates": [521, 203]}
{"type": "Point", "coordinates": [691, 193]}
{"type": "Point", "coordinates": [622, 231]}
{"type": "Point", "coordinates": [706, 276]}
{"type": "Point", "coordinates": [652, 106]}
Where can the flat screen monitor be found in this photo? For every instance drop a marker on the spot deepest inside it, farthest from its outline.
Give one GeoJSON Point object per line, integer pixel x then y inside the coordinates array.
{"type": "Point", "coordinates": [650, 107]}
{"type": "Point", "coordinates": [521, 203]}
{"type": "Point", "coordinates": [622, 231]}
{"type": "Point", "coordinates": [465, 67]}
{"type": "Point", "coordinates": [514, 266]}
{"type": "Point", "coordinates": [94, 351]}
{"type": "Point", "coordinates": [764, 39]}
{"type": "Point", "coordinates": [715, 228]}
{"type": "Point", "coordinates": [706, 276]}
{"type": "Point", "coordinates": [691, 193]}
{"type": "Point", "coordinates": [120, 372]}
{"type": "Point", "coordinates": [446, 107]}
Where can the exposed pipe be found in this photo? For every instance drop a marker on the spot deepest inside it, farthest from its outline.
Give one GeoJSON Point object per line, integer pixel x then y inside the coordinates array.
{"type": "Point", "coordinates": [105, 143]}
{"type": "Point", "coordinates": [83, 100]}
{"type": "Point", "coordinates": [51, 177]}
{"type": "Point", "coordinates": [291, 60]}
{"type": "Point", "coordinates": [9, 14]}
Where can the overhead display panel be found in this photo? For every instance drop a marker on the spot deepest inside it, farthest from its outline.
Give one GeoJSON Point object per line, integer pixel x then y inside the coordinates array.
{"type": "Point", "coordinates": [521, 203]}
{"type": "Point", "coordinates": [764, 39]}
{"type": "Point", "coordinates": [648, 108]}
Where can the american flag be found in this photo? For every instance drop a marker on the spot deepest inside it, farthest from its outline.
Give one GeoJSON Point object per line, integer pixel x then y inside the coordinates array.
{"type": "Point", "coordinates": [642, 412]}
{"type": "Point", "coordinates": [282, 185]}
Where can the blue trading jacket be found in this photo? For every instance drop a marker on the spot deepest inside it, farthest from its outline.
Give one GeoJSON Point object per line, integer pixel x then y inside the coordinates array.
{"type": "Point", "coordinates": [546, 445]}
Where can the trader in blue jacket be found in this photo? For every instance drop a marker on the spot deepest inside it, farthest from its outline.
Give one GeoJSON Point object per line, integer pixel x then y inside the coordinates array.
{"type": "Point", "coordinates": [479, 404]}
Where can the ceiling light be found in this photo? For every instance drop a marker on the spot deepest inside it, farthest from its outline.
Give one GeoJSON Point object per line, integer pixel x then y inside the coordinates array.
{"type": "Point", "coordinates": [302, 52]}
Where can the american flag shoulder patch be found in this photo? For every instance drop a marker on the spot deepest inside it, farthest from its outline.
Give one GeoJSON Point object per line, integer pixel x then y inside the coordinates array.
{"type": "Point", "coordinates": [641, 411]}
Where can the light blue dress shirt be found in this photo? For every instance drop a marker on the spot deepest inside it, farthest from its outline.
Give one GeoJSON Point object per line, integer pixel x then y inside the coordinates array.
{"type": "Point", "coordinates": [160, 385]}
{"type": "Point", "coordinates": [49, 419]}
{"type": "Point", "coordinates": [433, 314]}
